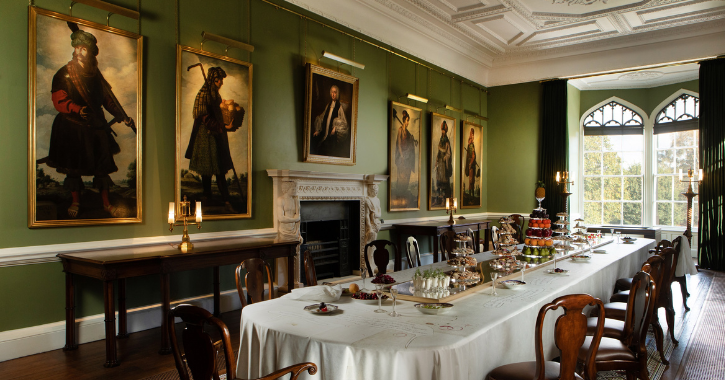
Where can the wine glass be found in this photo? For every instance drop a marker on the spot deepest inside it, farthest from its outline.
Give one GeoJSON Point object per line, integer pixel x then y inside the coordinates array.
{"type": "Point", "coordinates": [394, 296]}
{"type": "Point", "coordinates": [363, 275]}
{"type": "Point", "coordinates": [379, 292]}
{"type": "Point", "coordinates": [494, 276]}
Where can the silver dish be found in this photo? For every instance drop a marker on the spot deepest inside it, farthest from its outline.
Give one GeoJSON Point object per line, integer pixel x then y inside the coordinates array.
{"type": "Point", "coordinates": [433, 308]}
{"type": "Point", "coordinates": [315, 309]}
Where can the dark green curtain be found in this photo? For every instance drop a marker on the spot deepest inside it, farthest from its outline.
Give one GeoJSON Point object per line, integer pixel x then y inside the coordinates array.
{"type": "Point", "coordinates": [554, 152]}
{"type": "Point", "coordinates": [711, 240]}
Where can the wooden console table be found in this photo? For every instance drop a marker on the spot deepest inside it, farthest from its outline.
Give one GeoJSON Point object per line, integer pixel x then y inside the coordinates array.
{"type": "Point", "coordinates": [435, 228]}
{"type": "Point", "coordinates": [648, 232]}
{"type": "Point", "coordinates": [108, 265]}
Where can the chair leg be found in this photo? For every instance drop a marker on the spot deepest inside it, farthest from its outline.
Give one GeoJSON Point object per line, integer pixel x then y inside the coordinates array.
{"type": "Point", "coordinates": [659, 337]}
{"type": "Point", "coordinates": [631, 376]}
{"type": "Point", "coordinates": [683, 288]}
{"type": "Point", "coordinates": [643, 371]}
{"type": "Point", "coordinates": [670, 313]}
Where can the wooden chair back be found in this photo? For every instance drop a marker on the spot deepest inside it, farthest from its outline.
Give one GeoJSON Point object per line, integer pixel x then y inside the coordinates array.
{"type": "Point", "coordinates": [413, 251]}
{"type": "Point", "coordinates": [639, 305]}
{"type": "Point", "coordinates": [660, 246]}
{"type": "Point", "coordinates": [381, 256]}
{"type": "Point", "coordinates": [254, 280]}
{"type": "Point", "coordinates": [200, 350]}
{"type": "Point", "coordinates": [670, 256]}
{"type": "Point", "coordinates": [570, 332]}
{"type": "Point", "coordinates": [447, 242]}
{"type": "Point", "coordinates": [494, 237]}
{"type": "Point", "coordinates": [310, 271]}
{"type": "Point", "coordinates": [472, 236]}
{"type": "Point", "coordinates": [518, 225]}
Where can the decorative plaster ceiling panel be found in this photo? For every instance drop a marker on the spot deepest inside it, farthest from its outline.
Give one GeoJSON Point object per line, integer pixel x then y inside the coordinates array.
{"type": "Point", "coordinates": [679, 11]}
{"type": "Point", "coordinates": [501, 27]}
{"type": "Point", "coordinates": [577, 7]}
{"type": "Point", "coordinates": [639, 79]}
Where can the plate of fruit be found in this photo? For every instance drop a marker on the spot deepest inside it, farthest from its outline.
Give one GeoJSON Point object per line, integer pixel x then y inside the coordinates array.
{"type": "Point", "coordinates": [321, 308]}
{"type": "Point", "coordinates": [545, 251]}
{"type": "Point", "coordinates": [367, 297]}
{"type": "Point", "coordinates": [383, 279]}
{"type": "Point", "coordinates": [581, 257]}
{"type": "Point", "coordinates": [558, 271]}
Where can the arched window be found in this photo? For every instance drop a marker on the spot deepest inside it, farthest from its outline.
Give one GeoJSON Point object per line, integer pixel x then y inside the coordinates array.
{"type": "Point", "coordinates": [613, 164]}
{"type": "Point", "coordinates": [676, 148]}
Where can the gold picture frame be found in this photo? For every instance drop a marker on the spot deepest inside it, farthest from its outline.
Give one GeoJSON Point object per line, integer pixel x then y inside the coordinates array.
{"type": "Point", "coordinates": [330, 135]}
{"type": "Point", "coordinates": [222, 125]}
{"type": "Point", "coordinates": [404, 159]}
{"type": "Point", "coordinates": [442, 160]}
{"type": "Point", "coordinates": [471, 160]}
{"type": "Point", "coordinates": [84, 122]}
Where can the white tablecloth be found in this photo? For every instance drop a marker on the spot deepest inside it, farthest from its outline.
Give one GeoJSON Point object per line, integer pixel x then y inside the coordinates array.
{"type": "Point", "coordinates": [480, 333]}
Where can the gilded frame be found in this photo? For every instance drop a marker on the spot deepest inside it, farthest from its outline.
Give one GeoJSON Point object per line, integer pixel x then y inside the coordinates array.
{"type": "Point", "coordinates": [468, 199]}
{"type": "Point", "coordinates": [396, 201]}
{"type": "Point", "coordinates": [317, 146]}
{"type": "Point", "coordinates": [438, 189]}
{"type": "Point", "coordinates": [187, 184]}
{"type": "Point", "coordinates": [42, 205]}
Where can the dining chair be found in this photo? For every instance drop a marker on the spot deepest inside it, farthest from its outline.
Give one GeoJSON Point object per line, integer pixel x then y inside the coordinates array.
{"type": "Point", "coordinates": [447, 242]}
{"type": "Point", "coordinates": [472, 240]}
{"type": "Point", "coordinates": [413, 251]}
{"type": "Point", "coordinates": [201, 351]}
{"type": "Point", "coordinates": [619, 328]}
{"type": "Point", "coordinates": [683, 279]}
{"type": "Point", "coordinates": [569, 335]}
{"type": "Point", "coordinates": [494, 237]}
{"type": "Point", "coordinates": [628, 355]}
{"type": "Point", "coordinates": [381, 256]}
{"type": "Point", "coordinates": [519, 221]}
{"type": "Point", "coordinates": [254, 280]}
{"type": "Point", "coordinates": [626, 283]}
{"type": "Point", "coordinates": [310, 271]}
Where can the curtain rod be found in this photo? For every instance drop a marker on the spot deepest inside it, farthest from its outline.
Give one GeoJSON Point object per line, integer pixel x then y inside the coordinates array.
{"type": "Point", "coordinates": [371, 43]}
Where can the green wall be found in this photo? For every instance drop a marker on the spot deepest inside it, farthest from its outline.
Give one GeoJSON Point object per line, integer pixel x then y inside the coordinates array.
{"type": "Point", "coordinates": [283, 42]}
{"type": "Point", "coordinates": [646, 98]}
{"type": "Point", "coordinates": [513, 149]}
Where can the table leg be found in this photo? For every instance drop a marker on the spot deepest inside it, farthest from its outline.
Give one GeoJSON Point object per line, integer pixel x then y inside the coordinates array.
{"type": "Point", "coordinates": [109, 308]}
{"type": "Point", "coordinates": [217, 296]}
{"type": "Point", "coordinates": [70, 314]}
{"type": "Point", "coordinates": [435, 248]}
{"type": "Point", "coordinates": [122, 320]}
{"type": "Point", "coordinates": [165, 307]}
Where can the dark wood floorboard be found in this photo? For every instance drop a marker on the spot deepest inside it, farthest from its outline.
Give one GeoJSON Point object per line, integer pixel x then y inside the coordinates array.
{"type": "Point", "coordinates": [139, 357]}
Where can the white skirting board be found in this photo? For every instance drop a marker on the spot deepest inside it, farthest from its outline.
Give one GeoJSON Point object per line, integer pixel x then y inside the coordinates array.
{"type": "Point", "coordinates": [43, 338]}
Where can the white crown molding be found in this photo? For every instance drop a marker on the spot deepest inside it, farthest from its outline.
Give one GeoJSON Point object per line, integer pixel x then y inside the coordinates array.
{"type": "Point", "coordinates": [47, 253]}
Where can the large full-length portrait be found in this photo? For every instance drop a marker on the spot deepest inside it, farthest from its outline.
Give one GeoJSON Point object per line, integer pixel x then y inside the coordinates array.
{"type": "Point", "coordinates": [330, 116]}
{"type": "Point", "coordinates": [84, 114]}
{"type": "Point", "coordinates": [471, 158]}
{"type": "Point", "coordinates": [214, 133]}
{"type": "Point", "coordinates": [404, 140]}
{"type": "Point", "coordinates": [442, 160]}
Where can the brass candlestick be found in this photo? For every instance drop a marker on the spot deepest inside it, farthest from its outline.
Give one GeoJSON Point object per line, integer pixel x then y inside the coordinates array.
{"type": "Point", "coordinates": [185, 211]}
{"type": "Point", "coordinates": [450, 210]}
{"type": "Point", "coordinates": [563, 180]}
{"type": "Point", "coordinates": [690, 194]}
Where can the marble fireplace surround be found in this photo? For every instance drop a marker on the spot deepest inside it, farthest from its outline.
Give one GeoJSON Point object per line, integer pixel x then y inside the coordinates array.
{"type": "Point", "coordinates": [316, 186]}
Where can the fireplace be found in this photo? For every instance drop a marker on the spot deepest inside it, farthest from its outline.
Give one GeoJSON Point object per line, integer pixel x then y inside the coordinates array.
{"type": "Point", "coordinates": [329, 231]}
{"type": "Point", "coordinates": [325, 202]}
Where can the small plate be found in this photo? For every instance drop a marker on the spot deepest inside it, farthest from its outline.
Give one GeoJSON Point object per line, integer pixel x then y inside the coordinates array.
{"type": "Point", "coordinates": [514, 284]}
{"type": "Point", "coordinates": [581, 258]}
{"type": "Point", "coordinates": [599, 251]}
{"type": "Point", "coordinates": [315, 309]}
{"type": "Point", "coordinates": [629, 238]}
{"type": "Point", "coordinates": [433, 308]}
{"type": "Point", "coordinates": [563, 272]}
{"type": "Point", "coordinates": [627, 242]}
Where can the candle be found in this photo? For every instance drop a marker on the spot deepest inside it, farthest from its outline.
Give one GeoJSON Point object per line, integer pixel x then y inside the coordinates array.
{"type": "Point", "coordinates": [557, 177]}
{"type": "Point", "coordinates": [171, 212]}
{"type": "Point", "coordinates": [680, 174]}
{"type": "Point", "coordinates": [455, 203]}
{"type": "Point", "coordinates": [198, 212]}
{"type": "Point", "coordinates": [565, 175]}
{"type": "Point", "coordinates": [448, 203]}
{"type": "Point", "coordinates": [700, 174]}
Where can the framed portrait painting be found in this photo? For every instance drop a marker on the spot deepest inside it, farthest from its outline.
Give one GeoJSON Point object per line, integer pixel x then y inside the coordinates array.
{"type": "Point", "coordinates": [442, 160]}
{"type": "Point", "coordinates": [471, 158]}
{"type": "Point", "coordinates": [84, 116]}
{"type": "Point", "coordinates": [214, 133]}
{"type": "Point", "coordinates": [330, 116]}
{"type": "Point", "coordinates": [404, 159]}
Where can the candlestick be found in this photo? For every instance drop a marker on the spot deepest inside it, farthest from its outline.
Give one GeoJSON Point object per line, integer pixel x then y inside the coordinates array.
{"type": "Point", "coordinates": [185, 210]}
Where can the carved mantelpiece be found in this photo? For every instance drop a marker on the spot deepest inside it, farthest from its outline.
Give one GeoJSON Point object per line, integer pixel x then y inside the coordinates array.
{"type": "Point", "coordinates": [315, 186]}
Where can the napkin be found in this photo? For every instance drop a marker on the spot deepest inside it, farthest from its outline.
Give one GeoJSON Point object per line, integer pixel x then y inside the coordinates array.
{"type": "Point", "coordinates": [320, 293]}
{"type": "Point", "coordinates": [685, 264]}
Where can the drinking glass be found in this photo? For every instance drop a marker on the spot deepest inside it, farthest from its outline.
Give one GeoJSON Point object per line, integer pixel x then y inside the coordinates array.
{"type": "Point", "coordinates": [394, 296]}
{"type": "Point", "coordinates": [619, 237]}
{"type": "Point", "coordinates": [494, 276]}
{"type": "Point", "coordinates": [379, 292]}
{"type": "Point", "coordinates": [599, 235]}
{"type": "Point", "coordinates": [363, 275]}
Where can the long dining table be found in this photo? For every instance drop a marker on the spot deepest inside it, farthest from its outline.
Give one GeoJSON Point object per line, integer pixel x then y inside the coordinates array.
{"type": "Point", "coordinates": [479, 333]}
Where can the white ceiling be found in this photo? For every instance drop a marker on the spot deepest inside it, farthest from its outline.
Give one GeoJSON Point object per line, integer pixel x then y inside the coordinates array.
{"type": "Point", "coordinates": [496, 42]}
{"type": "Point", "coordinates": [639, 79]}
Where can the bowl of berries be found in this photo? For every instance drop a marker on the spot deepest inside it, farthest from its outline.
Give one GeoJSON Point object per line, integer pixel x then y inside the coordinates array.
{"type": "Point", "coordinates": [384, 280]}
{"type": "Point", "coordinates": [365, 297]}
{"type": "Point", "coordinates": [321, 308]}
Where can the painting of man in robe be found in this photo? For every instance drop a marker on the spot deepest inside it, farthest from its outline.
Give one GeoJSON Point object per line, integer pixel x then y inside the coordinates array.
{"type": "Point", "coordinates": [471, 158]}
{"type": "Point", "coordinates": [85, 122]}
{"type": "Point", "coordinates": [443, 163]}
{"type": "Point", "coordinates": [214, 133]}
{"type": "Point", "coordinates": [404, 138]}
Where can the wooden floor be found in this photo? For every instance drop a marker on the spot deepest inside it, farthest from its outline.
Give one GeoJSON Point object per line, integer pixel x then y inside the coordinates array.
{"type": "Point", "coordinates": [139, 358]}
